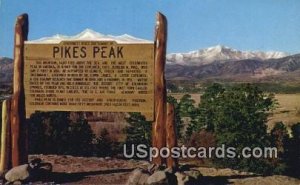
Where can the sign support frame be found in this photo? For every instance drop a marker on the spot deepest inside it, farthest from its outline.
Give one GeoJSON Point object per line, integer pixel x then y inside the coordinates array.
{"type": "Point", "coordinates": [163, 126]}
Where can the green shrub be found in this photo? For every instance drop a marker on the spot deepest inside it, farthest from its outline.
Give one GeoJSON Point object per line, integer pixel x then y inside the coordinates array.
{"type": "Point", "coordinates": [280, 139]}
{"type": "Point", "coordinates": [104, 146]}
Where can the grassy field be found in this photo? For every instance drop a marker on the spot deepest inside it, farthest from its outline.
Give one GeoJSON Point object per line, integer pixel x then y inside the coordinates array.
{"type": "Point", "coordinates": [287, 111]}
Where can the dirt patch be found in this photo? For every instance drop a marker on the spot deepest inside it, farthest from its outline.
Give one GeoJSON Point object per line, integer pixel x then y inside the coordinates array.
{"type": "Point", "coordinates": [88, 170]}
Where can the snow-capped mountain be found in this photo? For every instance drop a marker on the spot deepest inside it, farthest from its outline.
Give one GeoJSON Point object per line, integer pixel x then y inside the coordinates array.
{"type": "Point", "coordinates": [89, 34]}
{"type": "Point", "coordinates": [219, 53]}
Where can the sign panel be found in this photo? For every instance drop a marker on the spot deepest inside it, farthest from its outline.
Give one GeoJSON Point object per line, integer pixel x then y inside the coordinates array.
{"type": "Point", "coordinates": [99, 76]}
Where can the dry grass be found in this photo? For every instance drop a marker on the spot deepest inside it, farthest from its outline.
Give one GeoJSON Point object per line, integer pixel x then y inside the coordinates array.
{"type": "Point", "coordinates": [288, 110]}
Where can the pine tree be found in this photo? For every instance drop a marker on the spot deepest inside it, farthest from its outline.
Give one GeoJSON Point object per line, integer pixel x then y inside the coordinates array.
{"type": "Point", "coordinates": [139, 130]}
{"type": "Point", "coordinates": [293, 152]}
{"type": "Point", "coordinates": [237, 115]}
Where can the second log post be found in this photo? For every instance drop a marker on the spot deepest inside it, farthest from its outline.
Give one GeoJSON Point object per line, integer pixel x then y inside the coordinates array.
{"type": "Point", "coordinates": [171, 135]}
{"type": "Point", "coordinates": [5, 137]}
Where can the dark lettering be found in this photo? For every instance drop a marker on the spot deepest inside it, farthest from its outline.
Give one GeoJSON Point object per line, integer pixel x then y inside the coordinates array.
{"type": "Point", "coordinates": [112, 53]}
{"type": "Point", "coordinates": [95, 51]}
{"type": "Point", "coordinates": [120, 52]}
{"type": "Point", "coordinates": [67, 52]}
{"type": "Point", "coordinates": [75, 52]}
{"type": "Point", "coordinates": [55, 51]}
{"type": "Point", "coordinates": [103, 52]}
{"type": "Point", "coordinates": [83, 52]}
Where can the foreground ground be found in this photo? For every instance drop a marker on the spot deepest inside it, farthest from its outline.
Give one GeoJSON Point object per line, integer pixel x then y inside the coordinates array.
{"type": "Point", "coordinates": [92, 170]}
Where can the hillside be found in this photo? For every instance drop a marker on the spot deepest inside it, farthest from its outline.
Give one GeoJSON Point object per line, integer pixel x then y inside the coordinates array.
{"type": "Point", "coordinates": [6, 70]}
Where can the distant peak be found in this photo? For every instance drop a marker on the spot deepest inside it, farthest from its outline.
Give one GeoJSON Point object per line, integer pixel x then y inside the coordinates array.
{"type": "Point", "coordinates": [88, 30]}
{"type": "Point", "coordinates": [219, 48]}
{"type": "Point", "coordinates": [91, 32]}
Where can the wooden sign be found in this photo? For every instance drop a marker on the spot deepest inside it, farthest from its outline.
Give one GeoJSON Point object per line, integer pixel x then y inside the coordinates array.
{"type": "Point", "coordinates": [99, 76]}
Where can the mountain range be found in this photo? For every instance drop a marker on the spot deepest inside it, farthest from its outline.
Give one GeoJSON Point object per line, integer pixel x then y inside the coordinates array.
{"type": "Point", "coordinates": [214, 63]}
{"type": "Point", "coordinates": [224, 63]}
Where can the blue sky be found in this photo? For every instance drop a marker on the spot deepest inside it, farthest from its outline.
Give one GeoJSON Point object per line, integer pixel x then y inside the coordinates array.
{"type": "Point", "coordinates": [193, 24]}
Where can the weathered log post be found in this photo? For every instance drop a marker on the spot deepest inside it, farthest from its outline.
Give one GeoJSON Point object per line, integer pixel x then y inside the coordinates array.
{"type": "Point", "coordinates": [171, 135]}
{"type": "Point", "coordinates": [18, 120]}
{"type": "Point", "coordinates": [158, 127]}
{"type": "Point", "coordinates": [5, 136]}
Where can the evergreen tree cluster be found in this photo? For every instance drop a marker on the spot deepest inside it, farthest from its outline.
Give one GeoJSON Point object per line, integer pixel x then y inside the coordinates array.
{"type": "Point", "coordinates": [56, 133]}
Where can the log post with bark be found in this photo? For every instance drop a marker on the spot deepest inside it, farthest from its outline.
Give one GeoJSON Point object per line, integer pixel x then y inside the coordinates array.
{"type": "Point", "coordinates": [18, 121]}
{"type": "Point", "coordinates": [158, 127]}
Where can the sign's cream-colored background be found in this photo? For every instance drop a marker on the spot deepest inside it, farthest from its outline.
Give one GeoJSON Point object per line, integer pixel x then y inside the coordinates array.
{"type": "Point", "coordinates": [90, 84]}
